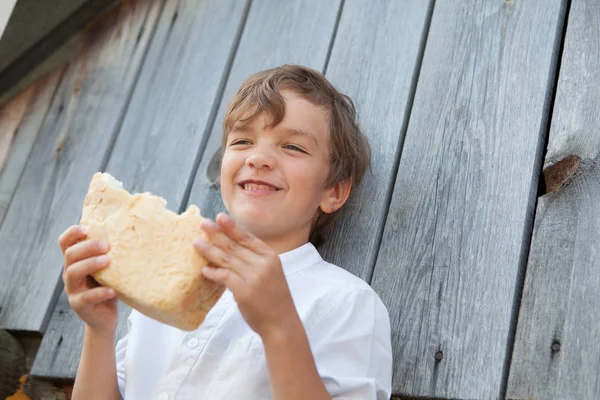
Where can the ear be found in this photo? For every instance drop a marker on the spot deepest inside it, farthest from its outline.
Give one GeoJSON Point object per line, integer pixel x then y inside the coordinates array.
{"type": "Point", "coordinates": [335, 197]}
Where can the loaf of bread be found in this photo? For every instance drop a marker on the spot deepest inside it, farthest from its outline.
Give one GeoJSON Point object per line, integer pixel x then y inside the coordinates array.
{"type": "Point", "coordinates": [153, 266]}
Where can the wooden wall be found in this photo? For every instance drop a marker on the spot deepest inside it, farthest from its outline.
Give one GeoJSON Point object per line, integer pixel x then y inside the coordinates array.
{"type": "Point", "coordinates": [492, 290]}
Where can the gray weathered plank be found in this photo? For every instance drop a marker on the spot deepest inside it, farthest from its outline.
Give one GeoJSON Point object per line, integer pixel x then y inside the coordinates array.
{"type": "Point", "coordinates": [463, 199]}
{"type": "Point", "coordinates": [556, 353]}
{"type": "Point", "coordinates": [60, 350]}
{"type": "Point", "coordinates": [71, 145]}
{"type": "Point", "coordinates": [377, 46]}
{"type": "Point", "coordinates": [161, 134]}
{"type": "Point", "coordinates": [11, 115]}
{"type": "Point", "coordinates": [276, 33]}
{"type": "Point", "coordinates": [20, 122]}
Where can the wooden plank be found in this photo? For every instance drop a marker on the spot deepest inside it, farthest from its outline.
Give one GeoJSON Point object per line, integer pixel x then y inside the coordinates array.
{"type": "Point", "coordinates": [556, 353]}
{"type": "Point", "coordinates": [179, 85]}
{"type": "Point", "coordinates": [451, 249]}
{"type": "Point", "coordinates": [276, 33]}
{"type": "Point", "coordinates": [11, 116]}
{"type": "Point", "coordinates": [379, 42]}
{"type": "Point", "coordinates": [20, 122]}
{"type": "Point", "coordinates": [60, 350]}
{"type": "Point", "coordinates": [36, 28]}
{"type": "Point", "coordinates": [75, 136]}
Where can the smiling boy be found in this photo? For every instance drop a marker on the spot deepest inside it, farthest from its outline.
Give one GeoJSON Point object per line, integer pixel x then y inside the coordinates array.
{"type": "Point", "coordinates": [290, 325]}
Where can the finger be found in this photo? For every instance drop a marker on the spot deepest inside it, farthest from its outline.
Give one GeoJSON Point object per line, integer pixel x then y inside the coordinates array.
{"type": "Point", "coordinates": [218, 238]}
{"type": "Point", "coordinates": [70, 236]}
{"type": "Point", "coordinates": [225, 277]}
{"type": "Point", "coordinates": [75, 276]}
{"type": "Point", "coordinates": [91, 297]}
{"type": "Point", "coordinates": [217, 257]}
{"type": "Point", "coordinates": [85, 249]}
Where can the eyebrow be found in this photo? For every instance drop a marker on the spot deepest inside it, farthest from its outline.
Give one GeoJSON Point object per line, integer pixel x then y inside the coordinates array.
{"type": "Point", "coordinates": [241, 128]}
{"type": "Point", "coordinates": [300, 132]}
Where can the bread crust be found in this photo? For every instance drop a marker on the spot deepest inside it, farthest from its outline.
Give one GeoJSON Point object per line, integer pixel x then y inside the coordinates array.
{"type": "Point", "coordinates": [153, 266]}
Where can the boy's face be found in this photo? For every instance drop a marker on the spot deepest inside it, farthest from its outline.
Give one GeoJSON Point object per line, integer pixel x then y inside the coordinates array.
{"type": "Point", "coordinates": [273, 179]}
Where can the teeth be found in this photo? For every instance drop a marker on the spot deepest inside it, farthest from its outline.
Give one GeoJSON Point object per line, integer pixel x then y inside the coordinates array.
{"type": "Point", "coordinates": [254, 186]}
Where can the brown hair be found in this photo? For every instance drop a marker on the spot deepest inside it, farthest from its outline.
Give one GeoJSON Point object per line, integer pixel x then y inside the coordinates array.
{"type": "Point", "coordinates": [350, 154]}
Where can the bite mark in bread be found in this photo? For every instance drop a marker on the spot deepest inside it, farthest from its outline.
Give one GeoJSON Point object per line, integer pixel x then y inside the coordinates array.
{"type": "Point", "coordinates": [153, 266]}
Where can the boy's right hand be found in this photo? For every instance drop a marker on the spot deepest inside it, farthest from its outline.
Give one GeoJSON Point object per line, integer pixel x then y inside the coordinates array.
{"type": "Point", "coordinates": [95, 305]}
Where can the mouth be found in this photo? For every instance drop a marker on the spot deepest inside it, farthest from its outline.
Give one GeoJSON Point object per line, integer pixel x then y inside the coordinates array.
{"type": "Point", "coordinates": [256, 186]}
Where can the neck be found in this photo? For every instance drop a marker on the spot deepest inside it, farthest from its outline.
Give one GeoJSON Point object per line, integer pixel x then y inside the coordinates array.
{"type": "Point", "coordinates": [281, 247]}
{"type": "Point", "coordinates": [286, 242]}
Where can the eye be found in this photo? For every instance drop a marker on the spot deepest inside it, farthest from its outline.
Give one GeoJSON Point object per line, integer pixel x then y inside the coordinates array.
{"type": "Point", "coordinates": [239, 142]}
{"type": "Point", "coordinates": [295, 148]}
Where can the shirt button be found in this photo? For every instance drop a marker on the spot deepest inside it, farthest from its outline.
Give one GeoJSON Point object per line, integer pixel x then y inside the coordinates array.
{"type": "Point", "coordinates": [193, 342]}
{"type": "Point", "coordinates": [163, 396]}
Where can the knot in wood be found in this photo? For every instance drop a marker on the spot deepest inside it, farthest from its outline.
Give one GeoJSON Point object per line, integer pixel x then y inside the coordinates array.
{"type": "Point", "coordinates": [558, 174]}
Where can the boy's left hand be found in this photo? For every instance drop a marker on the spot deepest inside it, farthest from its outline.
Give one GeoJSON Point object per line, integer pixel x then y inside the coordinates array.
{"type": "Point", "coordinates": [251, 270]}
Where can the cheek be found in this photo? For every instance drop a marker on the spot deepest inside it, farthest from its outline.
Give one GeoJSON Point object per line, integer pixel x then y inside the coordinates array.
{"type": "Point", "coordinates": [230, 164]}
{"type": "Point", "coordinates": [309, 182]}
{"type": "Point", "coordinates": [312, 175]}
{"type": "Point", "coordinates": [229, 167]}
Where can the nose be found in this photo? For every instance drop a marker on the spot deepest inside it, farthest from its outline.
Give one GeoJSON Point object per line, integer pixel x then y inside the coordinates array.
{"type": "Point", "coordinates": [260, 159]}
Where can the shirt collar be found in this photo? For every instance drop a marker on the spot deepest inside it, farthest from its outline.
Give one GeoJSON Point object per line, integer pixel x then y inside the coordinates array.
{"type": "Point", "coordinates": [299, 258]}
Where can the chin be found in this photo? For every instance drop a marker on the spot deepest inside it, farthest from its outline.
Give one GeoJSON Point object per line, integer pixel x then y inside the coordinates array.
{"type": "Point", "coordinates": [263, 231]}
{"type": "Point", "coordinates": [254, 221]}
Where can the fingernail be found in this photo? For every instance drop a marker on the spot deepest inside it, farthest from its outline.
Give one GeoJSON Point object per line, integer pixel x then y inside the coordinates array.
{"type": "Point", "coordinates": [199, 242]}
{"type": "Point", "coordinates": [224, 218]}
{"type": "Point", "coordinates": [207, 270]}
{"type": "Point", "coordinates": [207, 223]}
{"type": "Point", "coordinates": [103, 246]}
{"type": "Point", "coordinates": [102, 260]}
{"type": "Point", "coordinates": [84, 229]}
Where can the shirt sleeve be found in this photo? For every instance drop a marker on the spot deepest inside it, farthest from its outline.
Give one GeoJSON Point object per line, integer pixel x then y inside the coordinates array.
{"type": "Point", "coordinates": [352, 347]}
{"type": "Point", "coordinates": [120, 352]}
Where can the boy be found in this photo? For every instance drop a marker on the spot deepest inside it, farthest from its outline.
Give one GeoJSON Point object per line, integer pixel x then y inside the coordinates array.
{"type": "Point", "coordinates": [289, 325]}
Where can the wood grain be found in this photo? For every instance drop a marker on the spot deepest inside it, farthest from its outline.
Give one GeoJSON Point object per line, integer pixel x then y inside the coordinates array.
{"type": "Point", "coordinates": [556, 353]}
{"type": "Point", "coordinates": [11, 115]}
{"type": "Point", "coordinates": [464, 194]}
{"type": "Point", "coordinates": [377, 46]}
{"type": "Point", "coordinates": [20, 122]}
{"type": "Point", "coordinates": [72, 144]}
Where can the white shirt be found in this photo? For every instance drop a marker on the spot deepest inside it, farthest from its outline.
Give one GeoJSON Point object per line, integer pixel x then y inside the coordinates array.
{"type": "Point", "coordinates": [346, 323]}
